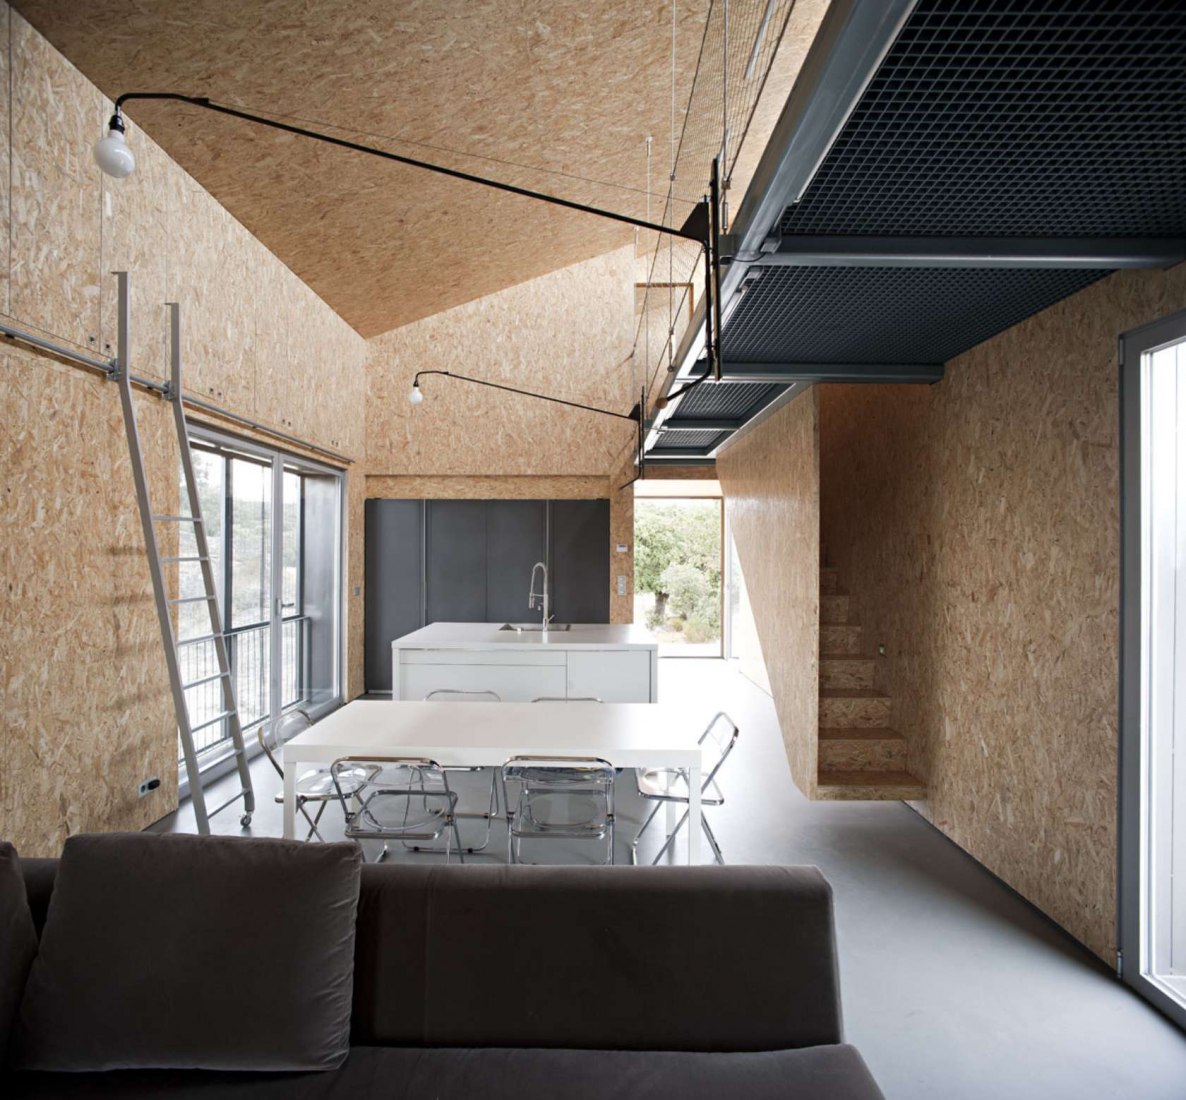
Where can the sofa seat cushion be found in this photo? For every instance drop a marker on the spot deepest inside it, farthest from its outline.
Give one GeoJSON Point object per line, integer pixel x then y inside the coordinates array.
{"type": "Point", "coordinates": [183, 952]}
{"type": "Point", "coordinates": [408, 1073]}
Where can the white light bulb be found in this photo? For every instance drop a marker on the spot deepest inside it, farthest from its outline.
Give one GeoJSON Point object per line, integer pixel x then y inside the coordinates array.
{"type": "Point", "coordinates": [415, 396]}
{"type": "Point", "coordinates": [113, 155]}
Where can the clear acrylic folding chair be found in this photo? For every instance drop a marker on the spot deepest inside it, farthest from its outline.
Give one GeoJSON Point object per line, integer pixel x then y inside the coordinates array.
{"type": "Point", "coordinates": [666, 785]}
{"type": "Point", "coordinates": [558, 798]}
{"type": "Point", "coordinates": [315, 785]}
{"type": "Point", "coordinates": [404, 798]}
{"type": "Point", "coordinates": [451, 695]}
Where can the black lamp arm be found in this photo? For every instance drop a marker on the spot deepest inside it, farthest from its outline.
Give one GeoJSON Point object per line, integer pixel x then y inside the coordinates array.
{"type": "Point", "coordinates": [631, 416]}
{"type": "Point", "coordinates": [693, 230]}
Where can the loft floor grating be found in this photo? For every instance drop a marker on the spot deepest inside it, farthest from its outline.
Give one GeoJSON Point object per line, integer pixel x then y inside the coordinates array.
{"type": "Point", "coordinates": [740, 400]}
{"type": "Point", "coordinates": [886, 315]}
{"type": "Point", "coordinates": [1015, 118]}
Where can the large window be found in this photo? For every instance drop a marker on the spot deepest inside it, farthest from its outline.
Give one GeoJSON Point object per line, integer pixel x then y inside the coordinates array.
{"type": "Point", "coordinates": [677, 573]}
{"type": "Point", "coordinates": [274, 529]}
{"type": "Point", "coordinates": [1153, 773]}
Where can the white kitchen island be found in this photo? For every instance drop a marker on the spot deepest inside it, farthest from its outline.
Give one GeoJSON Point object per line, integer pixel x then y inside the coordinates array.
{"type": "Point", "coordinates": [616, 664]}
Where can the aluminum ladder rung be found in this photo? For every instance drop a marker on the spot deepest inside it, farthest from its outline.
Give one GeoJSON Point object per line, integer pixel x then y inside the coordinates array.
{"type": "Point", "coordinates": [206, 680]}
{"type": "Point", "coordinates": [184, 557]}
{"type": "Point", "coordinates": [177, 519]}
{"type": "Point", "coordinates": [212, 722]}
{"type": "Point", "coordinates": [199, 638]}
{"type": "Point", "coordinates": [192, 599]}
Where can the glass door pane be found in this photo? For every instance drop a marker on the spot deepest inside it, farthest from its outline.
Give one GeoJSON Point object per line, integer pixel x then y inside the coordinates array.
{"type": "Point", "coordinates": [249, 579]}
{"type": "Point", "coordinates": [199, 661]}
{"type": "Point", "coordinates": [677, 574]}
{"type": "Point", "coordinates": [1164, 666]}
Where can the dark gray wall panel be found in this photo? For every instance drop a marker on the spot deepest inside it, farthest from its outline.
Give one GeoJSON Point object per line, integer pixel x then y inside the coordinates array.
{"type": "Point", "coordinates": [393, 602]}
{"type": "Point", "coordinates": [514, 543]}
{"type": "Point", "coordinates": [579, 561]}
{"type": "Point", "coordinates": [456, 563]}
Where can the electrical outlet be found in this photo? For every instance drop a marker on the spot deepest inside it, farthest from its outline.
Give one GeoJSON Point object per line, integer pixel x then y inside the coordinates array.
{"type": "Point", "coordinates": [621, 585]}
{"type": "Point", "coordinates": [148, 786]}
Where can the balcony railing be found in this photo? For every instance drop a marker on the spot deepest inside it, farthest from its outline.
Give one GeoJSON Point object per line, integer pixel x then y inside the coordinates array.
{"type": "Point", "coordinates": [249, 650]}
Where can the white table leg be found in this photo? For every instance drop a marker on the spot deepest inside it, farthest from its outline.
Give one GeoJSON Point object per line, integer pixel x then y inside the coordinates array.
{"type": "Point", "coordinates": [290, 778]}
{"type": "Point", "coordinates": [694, 781]}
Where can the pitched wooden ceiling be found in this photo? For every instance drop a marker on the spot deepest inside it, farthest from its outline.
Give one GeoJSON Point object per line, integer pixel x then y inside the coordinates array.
{"type": "Point", "coordinates": [505, 88]}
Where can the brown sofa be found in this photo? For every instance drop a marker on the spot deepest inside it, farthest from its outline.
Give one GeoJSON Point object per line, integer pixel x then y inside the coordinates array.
{"type": "Point", "coordinates": [519, 982]}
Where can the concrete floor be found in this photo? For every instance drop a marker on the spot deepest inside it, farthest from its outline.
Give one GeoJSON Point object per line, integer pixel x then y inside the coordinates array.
{"type": "Point", "coordinates": [953, 986]}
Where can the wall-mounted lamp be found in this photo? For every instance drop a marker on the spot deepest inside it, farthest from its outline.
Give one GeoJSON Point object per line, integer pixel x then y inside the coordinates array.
{"type": "Point", "coordinates": [702, 226]}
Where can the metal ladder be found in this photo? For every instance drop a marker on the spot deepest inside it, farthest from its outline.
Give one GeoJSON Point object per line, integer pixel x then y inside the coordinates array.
{"type": "Point", "coordinates": [164, 602]}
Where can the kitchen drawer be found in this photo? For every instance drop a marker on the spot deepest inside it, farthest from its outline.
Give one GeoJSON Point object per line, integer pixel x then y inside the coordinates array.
{"type": "Point", "coordinates": [512, 683]}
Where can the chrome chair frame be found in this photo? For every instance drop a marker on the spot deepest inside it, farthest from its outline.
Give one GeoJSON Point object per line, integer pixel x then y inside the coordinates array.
{"type": "Point", "coordinates": [411, 786]}
{"type": "Point", "coordinates": [321, 792]}
{"type": "Point", "coordinates": [492, 812]}
{"type": "Point", "coordinates": [710, 794]}
{"type": "Point", "coordinates": [574, 776]}
{"type": "Point", "coordinates": [556, 775]}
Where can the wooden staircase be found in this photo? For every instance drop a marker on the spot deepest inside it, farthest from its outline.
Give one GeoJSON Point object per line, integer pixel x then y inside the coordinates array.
{"type": "Point", "coordinates": [860, 756]}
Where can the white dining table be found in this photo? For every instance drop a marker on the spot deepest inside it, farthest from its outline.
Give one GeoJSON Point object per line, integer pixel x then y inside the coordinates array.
{"type": "Point", "coordinates": [626, 735]}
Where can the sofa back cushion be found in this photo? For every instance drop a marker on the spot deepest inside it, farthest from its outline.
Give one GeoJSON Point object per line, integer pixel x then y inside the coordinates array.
{"type": "Point", "coordinates": [193, 952]}
{"type": "Point", "coordinates": [18, 941]}
{"type": "Point", "coordinates": [628, 958]}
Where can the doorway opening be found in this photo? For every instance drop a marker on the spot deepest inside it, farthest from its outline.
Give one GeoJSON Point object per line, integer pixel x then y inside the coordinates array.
{"type": "Point", "coordinates": [1153, 665]}
{"type": "Point", "coordinates": [678, 571]}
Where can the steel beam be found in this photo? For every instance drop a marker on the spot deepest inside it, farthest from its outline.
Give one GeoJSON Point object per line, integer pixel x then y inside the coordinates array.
{"type": "Point", "coordinates": [1094, 253]}
{"type": "Point", "coordinates": [853, 39]}
{"type": "Point", "coordinates": [787, 373]}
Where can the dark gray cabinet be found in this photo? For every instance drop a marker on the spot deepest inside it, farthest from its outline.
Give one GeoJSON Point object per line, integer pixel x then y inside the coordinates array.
{"type": "Point", "coordinates": [515, 541]}
{"type": "Point", "coordinates": [455, 561]}
{"type": "Point", "coordinates": [578, 560]}
{"type": "Point", "coordinates": [470, 561]}
{"type": "Point", "coordinates": [394, 606]}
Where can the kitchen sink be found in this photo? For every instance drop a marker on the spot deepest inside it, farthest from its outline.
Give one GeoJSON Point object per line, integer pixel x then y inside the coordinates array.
{"type": "Point", "coordinates": [535, 628]}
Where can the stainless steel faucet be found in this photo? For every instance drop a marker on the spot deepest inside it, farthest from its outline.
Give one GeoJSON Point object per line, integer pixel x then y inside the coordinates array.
{"type": "Point", "coordinates": [542, 596]}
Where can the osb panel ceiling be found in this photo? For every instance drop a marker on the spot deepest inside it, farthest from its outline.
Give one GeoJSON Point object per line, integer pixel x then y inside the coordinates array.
{"type": "Point", "coordinates": [572, 87]}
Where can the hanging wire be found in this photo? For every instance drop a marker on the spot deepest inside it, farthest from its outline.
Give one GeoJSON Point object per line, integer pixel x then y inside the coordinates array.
{"type": "Point", "coordinates": [738, 43]}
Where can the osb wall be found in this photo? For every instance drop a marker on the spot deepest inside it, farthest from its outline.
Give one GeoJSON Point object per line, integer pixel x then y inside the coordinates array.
{"type": "Point", "coordinates": [567, 335]}
{"type": "Point", "coordinates": [977, 524]}
{"type": "Point", "coordinates": [86, 709]}
{"type": "Point", "coordinates": [770, 480]}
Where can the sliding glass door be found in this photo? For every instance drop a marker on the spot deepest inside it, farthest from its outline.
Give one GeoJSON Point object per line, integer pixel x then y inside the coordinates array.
{"type": "Point", "coordinates": [1153, 681]}
{"type": "Point", "coordinates": [274, 528]}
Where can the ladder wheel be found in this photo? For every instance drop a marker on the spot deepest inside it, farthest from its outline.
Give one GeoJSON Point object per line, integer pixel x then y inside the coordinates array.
{"type": "Point", "coordinates": [245, 820]}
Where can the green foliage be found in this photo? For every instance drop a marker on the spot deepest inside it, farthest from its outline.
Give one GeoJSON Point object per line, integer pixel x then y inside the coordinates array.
{"type": "Point", "coordinates": [668, 534]}
{"type": "Point", "coordinates": [677, 557]}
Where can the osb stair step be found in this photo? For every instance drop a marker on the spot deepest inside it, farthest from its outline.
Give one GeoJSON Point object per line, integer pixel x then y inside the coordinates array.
{"type": "Point", "coordinates": [865, 750]}
{"type": "Point", "coordinates": [829, 578]}
{"type": "Point", "coordinates": [848, 708]}
{"type": "Point", "coordinates": [846, 672]}
{"type": "Point", "coordinates": [833, 607]}
{"type": "Point", "coordinates": [837, 785]}
{"type": "Point", "coordinates": [840, 639]}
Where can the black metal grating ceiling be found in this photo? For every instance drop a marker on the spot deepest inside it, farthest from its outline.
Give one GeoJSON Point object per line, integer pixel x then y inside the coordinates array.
{"type": "Point", "coordinates": [709, 401]}
{"type": "Point", "coordinates": [886, 315]}
{"type": "Point", "coordinates": [1015, 118]}
{"type": "Point", "coordinates": [688, 440]}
